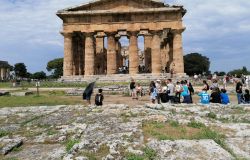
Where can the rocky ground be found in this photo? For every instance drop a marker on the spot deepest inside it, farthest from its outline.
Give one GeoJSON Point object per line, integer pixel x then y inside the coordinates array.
{"type": "Point", "coordinates": [123, 132]}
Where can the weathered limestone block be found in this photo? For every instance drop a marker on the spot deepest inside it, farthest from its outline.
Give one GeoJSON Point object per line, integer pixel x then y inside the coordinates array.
{"type": "Point", "coordinates": [189, 149]}
{"type": "Point", "coordinates": [7, 144]}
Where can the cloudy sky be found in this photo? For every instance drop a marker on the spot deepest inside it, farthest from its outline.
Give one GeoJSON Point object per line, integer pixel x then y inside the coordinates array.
{"type": "Point", "coordinates": [219, 29]}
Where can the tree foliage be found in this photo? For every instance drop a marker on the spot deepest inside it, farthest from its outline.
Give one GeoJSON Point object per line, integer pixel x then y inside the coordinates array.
{"type": "Point", "coordinates": [56, 67]}
{"type": "Point", "coordinates": [239, 72]}
{"type": "Point", "coordinates": [196, 63]}
{"type": "Point", "coordinates": [20, 70]}
{"type": "Point", "coordinates": [39, 75]}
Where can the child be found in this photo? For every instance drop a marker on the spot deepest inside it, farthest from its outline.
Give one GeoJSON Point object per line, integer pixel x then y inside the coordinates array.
{"type": "Point", "coordinates": [205, 98]}
{"type": "Point", "coordinates": [224, 97]}
{"type": "Point", "coordinates": [99, 98]}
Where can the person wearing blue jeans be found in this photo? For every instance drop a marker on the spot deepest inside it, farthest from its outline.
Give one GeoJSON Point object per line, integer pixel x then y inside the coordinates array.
{"type": "Point", "coordinates": [239, 91]}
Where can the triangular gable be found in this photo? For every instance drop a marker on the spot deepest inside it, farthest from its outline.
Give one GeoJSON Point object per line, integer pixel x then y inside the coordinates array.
{"type": "Point", "coordinates": [116, 5]}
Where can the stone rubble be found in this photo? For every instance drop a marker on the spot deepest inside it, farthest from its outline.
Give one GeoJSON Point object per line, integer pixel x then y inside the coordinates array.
{"type": "Point", "coordinates": [111, 131]}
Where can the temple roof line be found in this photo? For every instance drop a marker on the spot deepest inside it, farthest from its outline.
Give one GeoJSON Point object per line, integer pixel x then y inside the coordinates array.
{"type": "Point", "coordinates": [96, 1]}
{"type": "Point", "coordinates": [112, 12]}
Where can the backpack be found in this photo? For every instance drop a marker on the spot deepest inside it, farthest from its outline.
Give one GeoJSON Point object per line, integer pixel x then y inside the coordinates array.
{"type": "Point", "coordinates": [98, 99]}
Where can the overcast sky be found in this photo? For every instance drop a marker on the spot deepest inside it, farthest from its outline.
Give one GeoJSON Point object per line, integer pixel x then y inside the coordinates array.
{"type": "Point", "coordinates": [219, 29]}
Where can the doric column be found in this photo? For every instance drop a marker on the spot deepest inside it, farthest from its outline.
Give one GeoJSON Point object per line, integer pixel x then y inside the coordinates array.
{"type": "Point", "coordinates": [165, 55]}
{"type": "Point", "coordinates": [133, 53]}
{"type": "Point", "coordinates": [89, 54]}
{"type": "Point", "coordinates": [68, 55]}
{"type": "Point", "coordinates": [147, 52]}
{"type": "Point", "coordinates": [99, 59]}
{"type": "Point", "coordinates": [156, 53]}
{"type": "Point", "coordinates": [111, 54]}
{"type": "Point", "coordinates": [82, 54]}
{"type": "Point", "coordinates": [178, 51]}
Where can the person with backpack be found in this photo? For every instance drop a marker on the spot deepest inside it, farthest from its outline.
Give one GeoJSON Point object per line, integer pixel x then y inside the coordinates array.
{"type": "Point", "coordinates": [99, 98]}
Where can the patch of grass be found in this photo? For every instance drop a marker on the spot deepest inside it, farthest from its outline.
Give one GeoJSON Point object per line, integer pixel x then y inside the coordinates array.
{"type": "Point", "coordinates": [193, 130]}
{"type": "Point", "coordinates": [149, 153]}
{"type": "Point", "coordinates": [51, 132]}
{"type": "Point", "coordinates": [131, 156]}
{"type": "Point", "coordinates": [195, 124]}
{"type": "Point", "coordinates": [174, 123]}
{"type": "Point", "coordinates": [3, 133]}
{"type": "Point", "coordinates": [45, 99]}
{"type": "Point", "coordinates": [212, 115]}
{"type": "Point", "coordinates": [70, 143]}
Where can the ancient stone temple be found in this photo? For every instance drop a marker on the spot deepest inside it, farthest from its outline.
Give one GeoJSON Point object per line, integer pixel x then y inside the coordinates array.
{"type": "Point", "coordinates": [4, 70]}
{"type": "Point", "coordinates": [86, 26]}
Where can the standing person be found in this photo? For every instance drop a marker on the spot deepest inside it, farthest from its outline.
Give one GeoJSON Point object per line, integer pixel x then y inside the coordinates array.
{"type": "Point", "coordinates": [99, 98]}
{"type": "Point", "coordinates": [191, 90]}
{"type": "Point", "coordinates": [88, 92]}
{"type": "Point", "coordinates": [215, 96]}
{"type": "Point", "coordinates": [178, 90]}
{"type": "Point", "coordinates": [239, 90]}
{"type": "Point", "coordinates": [185, 93]}
{"type": "Point", "coordinates": [132, 89]}
{"type": "Point", "coordinates": [159, 90]}
{"type": "Point", "coordinates": [153, 92]}
{"type": "Point", "coordinates": [204, 97]}
{"type": "Point", "coordinates": [224, 97]}
{"type": "Point", "coordinates": [170, 90]}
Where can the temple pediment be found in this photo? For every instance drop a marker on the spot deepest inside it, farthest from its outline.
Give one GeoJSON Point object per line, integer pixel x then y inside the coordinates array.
{"type": "Point", "coordinates": [116, 5]}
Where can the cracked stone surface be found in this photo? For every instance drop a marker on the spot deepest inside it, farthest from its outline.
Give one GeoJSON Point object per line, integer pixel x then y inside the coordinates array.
{"type": "Point", "coordinates": [112, 131]}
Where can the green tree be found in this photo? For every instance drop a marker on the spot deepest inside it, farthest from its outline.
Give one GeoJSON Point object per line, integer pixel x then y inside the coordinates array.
{"type": "Point", "coordinates": [20, 70]}
{"type": "Point", "coordinates": [39, 75]}
{"type": "Point", "coordinates": [56, 67]}
{"type": "Point", "coordinates": [196, 63]}
{"type": "Point", "coordinates": [239, 72]}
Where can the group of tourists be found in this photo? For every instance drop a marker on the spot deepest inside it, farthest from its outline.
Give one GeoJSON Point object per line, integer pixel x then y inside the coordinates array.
{"type": "Point", "coordinates": [182, 92]}
{"type": "Point", "coordinates": [166, 91]}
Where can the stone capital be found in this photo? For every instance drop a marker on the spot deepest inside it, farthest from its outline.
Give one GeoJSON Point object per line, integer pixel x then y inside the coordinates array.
{"type": "Point", "coordinates": [178, 31]}
{"type": "Point", "coordinates": [156, 32]}
{"type": "Point", "coordinates": [67, 34]}
{"type": "Point", "coordinates": [132, 33]}
{"type": "Point", "coordinates": [89, 34]}
{"type": "Point", "coordinates": [113, 34]}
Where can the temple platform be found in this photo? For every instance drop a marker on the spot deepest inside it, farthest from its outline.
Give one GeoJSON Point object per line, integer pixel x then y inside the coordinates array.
{"type": "Point", "coordinates": [121, 77]}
